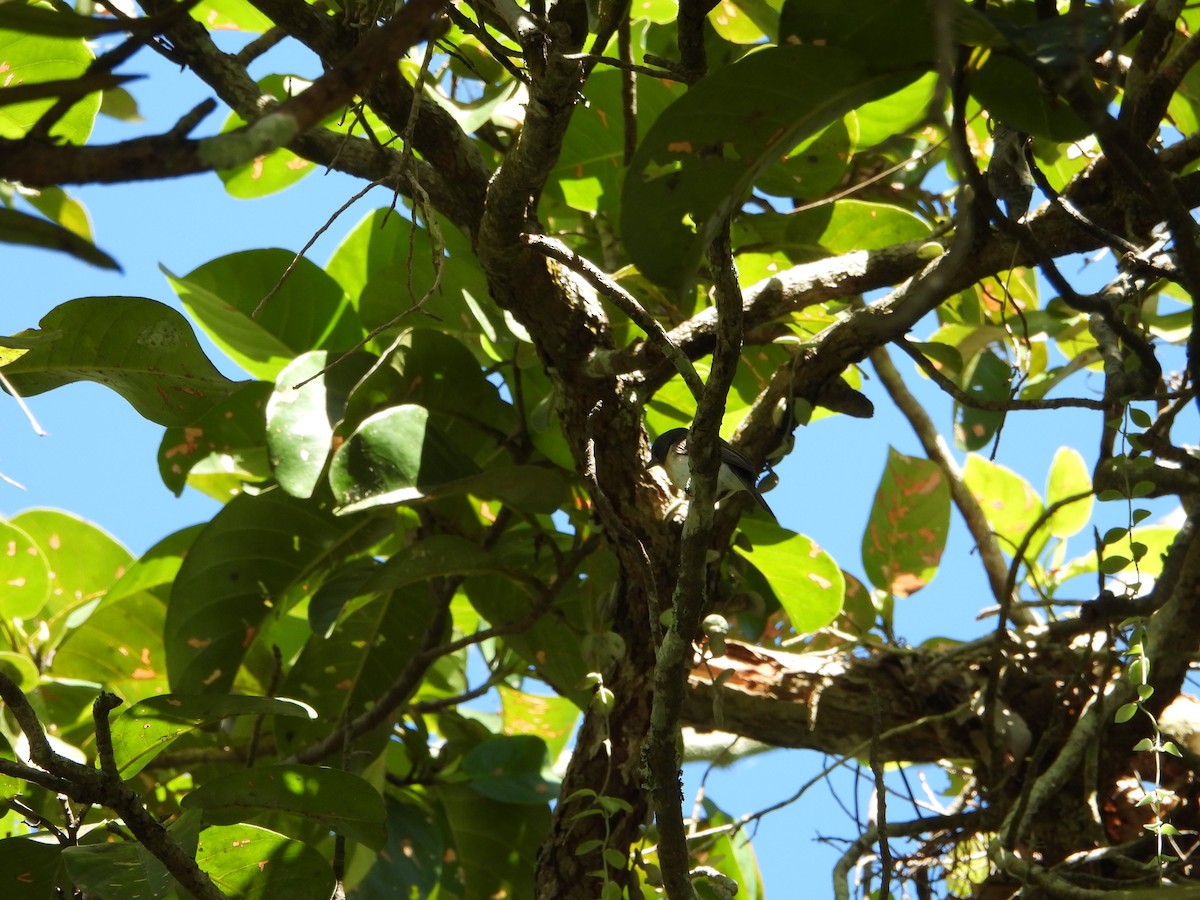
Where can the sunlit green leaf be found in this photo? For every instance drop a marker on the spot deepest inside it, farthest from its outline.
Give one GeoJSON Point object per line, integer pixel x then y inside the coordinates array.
{"type": "Point", "coordinates": [550, 718]}
{"type": "Point", "coordinates": [308, 401]}
{"type": "Point", "coordinates": [25, 584]}
{"type": "Point", "coordinates": [251, 863]}
{"type": "Point", "coordinates": [84, 561]}
{"type": "Point", "coordinates": [231, 15]}
{"type": "Point", "coordinates": [33, 59]}
{"type": "Point", "coordinates": [1068, 475]}
{"type": "Point", "coordinates": [1008, 501]}
{"type": "Point", "coordinates": [120, 646]}
{"type": "Point", "coordinates": [805, 579]}
{"type": "Point", "coordinates": [278, 169]}
{"type": "Point", "coordinates": [57, 205]}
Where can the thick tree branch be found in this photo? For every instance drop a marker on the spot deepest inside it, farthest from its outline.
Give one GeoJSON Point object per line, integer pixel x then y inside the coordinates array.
{"type": "Point", "coordinates": [689, 599]}
{"type": "Point", "coordinates": [104, 786]}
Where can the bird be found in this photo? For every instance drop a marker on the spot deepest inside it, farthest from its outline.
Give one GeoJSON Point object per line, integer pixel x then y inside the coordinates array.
{"type": "Point", "coordinates": [736, 473]}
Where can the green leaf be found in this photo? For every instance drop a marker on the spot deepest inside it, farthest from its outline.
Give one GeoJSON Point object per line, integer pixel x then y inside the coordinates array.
{"type": "Point", "coordinates": [57, 205]}
{"type": "Point", "coordinates": [732, 855]}
{"type": "Point", "coordinates": [250, 863]}
{"type": "Point", "coordinates": [300, 421]}
{"type": "Point", "coordinates": [19, 228]}
{"type": "Point", "coordinates": [700, 157]}
{"type": "Point", "coordinates": [1068, 475]}
{"type": "Point", "coordinates": [589, 169]}
{"type": "Point", "coordinates": [117, 103]}
{"type": "Point", "coordinates": [413, 855]}
{"type": "Point", "coordinates": [840, 227]}
{"type": "Point", "coordinates": [231, 434]}
{"type": "Point", "coordinates": [988, 378]}
{"type": "Point", "coordinates": [345, 673]}
{"type": "Point", "coordinates": [383, 265]}
{"type": "Point", "coordinates": [395, 456]}
{"type": "Point", "coordinates": [155, 568]}
{"type": "Point", "coordinates": [309, 311]}
{"type": "Point", "coordinates": [896, 113]}
{"type": "Point", "coordinates": [119, 646]}
{"type": "Point", "coordinates": [25, 586]}
{"type": "Point", "coordinates": [805, 579]}
{"type": "Point", "coordinates": [126, 870]}
{"type": "Point", "coordinates": [149, 727]}
{"type": "Point", "coordinates": [490, 860]}
{"type": "Point", "coordinates": [1111, 565]}
{"type": "Point", "coordinates": [341, 801]}
{"type": "Point", "coordinates": [906, 532]}
{"type": "Point", "coordinates": [1011, 92]}
{"type": "Point", "coordinates": [744, 21]}
{"type": "Point", "coordinates": [512, 769]}
{"type": "Point", "coordinates": [1156, 538]}
{"type": "Point", "coordinates": [241, 566]}
{"type": "Point", "coordinates": [142, 349]}
{"type": "Point", "coordinates": [1009, 503]}
{"type": "Point", "coordinates": [554, 645]}
{"type": "Point", "coordinates": [20, 669]}
{"type": "Point", "coordinates": [1126, 712]}
{"type": "Point", "coordinates": [29, 59]}
{"type": "Point", "coordinates": [815, 165]}
{"type": "Point", "coordinates": [54, 22]}
{"type": "Point", "coordinates": [551, 718]}
{"type": "Point", "coordinates": [30, 869]}
{"type": "Point", "coordinates": [438, 554]}
{"type": "Point", "coordinates": [84, 561]}
{"type": "Point", "coordinates": [888, 33]}
{"type": "Point", "coordinates": [441, 374]}
{"type": "Point", "coordinates": [1009, 83]}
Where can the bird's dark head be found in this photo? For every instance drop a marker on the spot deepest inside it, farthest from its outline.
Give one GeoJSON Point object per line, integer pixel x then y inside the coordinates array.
{"type": "Point", "coordinates": [663, 444]}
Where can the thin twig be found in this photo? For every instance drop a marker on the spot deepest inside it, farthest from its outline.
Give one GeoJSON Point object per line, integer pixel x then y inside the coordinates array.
{"type": "Point", "coordinates": [966, 399]}
{"type": "Point", "coordinates": [499, 52]}
{"type": "Point", "coordinates": [593, 58]}
{"type": "Point", "coordinates": [881, 823]}
{"type": "Point", "coordinates": [308, 245]}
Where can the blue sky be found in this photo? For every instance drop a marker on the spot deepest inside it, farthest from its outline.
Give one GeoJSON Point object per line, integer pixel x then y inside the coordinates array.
{"type": "Point", "coordinates": [98, 460]}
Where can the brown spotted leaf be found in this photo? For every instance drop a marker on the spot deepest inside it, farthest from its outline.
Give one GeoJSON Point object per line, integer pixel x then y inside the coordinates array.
{"type": "Point", "coordinates": [906, 533]}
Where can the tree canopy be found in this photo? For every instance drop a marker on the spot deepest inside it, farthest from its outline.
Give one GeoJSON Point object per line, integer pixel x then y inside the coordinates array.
{"type": "Point", "coordinates": [603, 221]}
